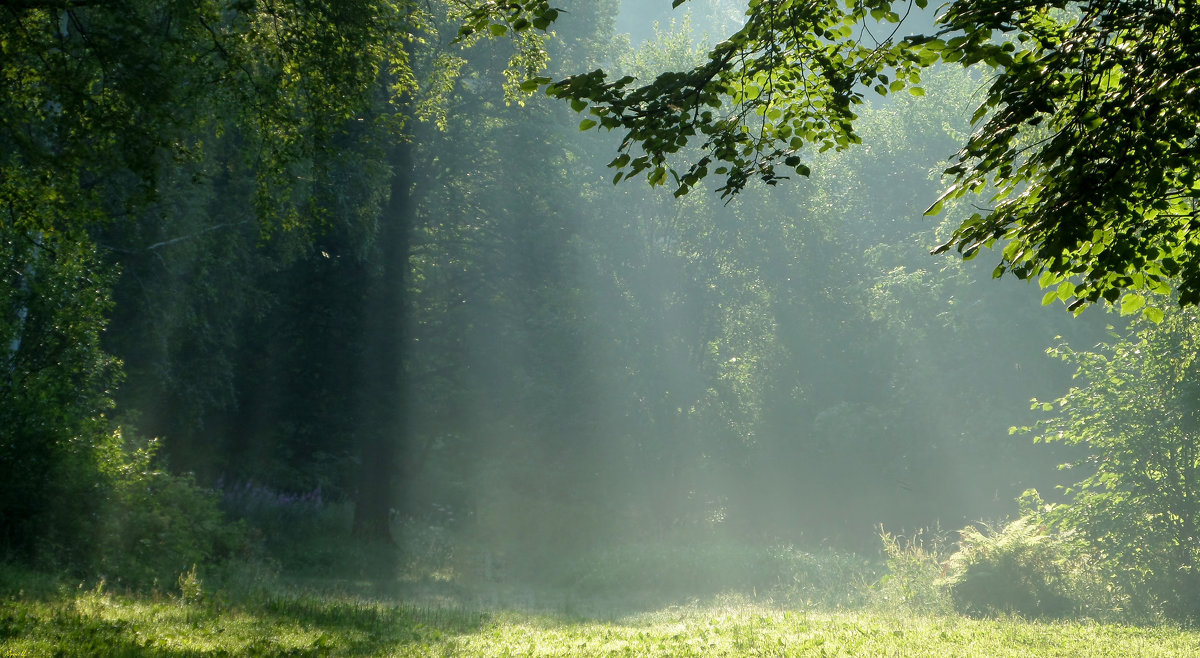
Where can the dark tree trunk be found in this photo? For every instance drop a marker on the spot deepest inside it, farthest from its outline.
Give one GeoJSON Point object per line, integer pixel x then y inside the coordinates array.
{"type": "Point", "coordinates": [383, 416]}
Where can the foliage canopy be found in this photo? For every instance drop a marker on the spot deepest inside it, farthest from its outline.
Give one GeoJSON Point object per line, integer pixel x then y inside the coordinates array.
{"type": "Point", "coordinates": [1085, 141]}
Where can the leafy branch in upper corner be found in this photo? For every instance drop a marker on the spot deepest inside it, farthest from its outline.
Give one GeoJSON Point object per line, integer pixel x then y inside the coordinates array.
{"type": "Point", "coordinates": [1085, 143]}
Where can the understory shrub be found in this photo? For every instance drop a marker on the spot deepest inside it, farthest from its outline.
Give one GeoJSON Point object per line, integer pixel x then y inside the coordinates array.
{"type": "Point", "coordinates": [1022, 567]}
{"type": "Point", "coordinates": [1132, 417]}
{"type": "Point", "coordinates": [117, 516]}
{"type": "Point", "coordinates": [56, 386]}
{"type": "Point", "coordinates": [303, 532]}
{"type": "Point", "coordinates": [154, 524]}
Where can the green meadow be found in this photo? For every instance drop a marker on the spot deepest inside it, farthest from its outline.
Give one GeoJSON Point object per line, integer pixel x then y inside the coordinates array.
{"type": "Point", "coordinates": [239, 616]}
{"type": "Point", "coordinates": [96, 623]}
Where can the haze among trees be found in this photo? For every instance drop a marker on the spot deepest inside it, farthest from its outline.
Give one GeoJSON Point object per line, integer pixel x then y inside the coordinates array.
{"type": "Point", "coordinates": [344, 290]}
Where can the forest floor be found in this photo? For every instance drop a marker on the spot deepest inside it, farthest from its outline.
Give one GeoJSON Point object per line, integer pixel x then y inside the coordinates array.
{"type": "Point", "coordinates": [278, 621]}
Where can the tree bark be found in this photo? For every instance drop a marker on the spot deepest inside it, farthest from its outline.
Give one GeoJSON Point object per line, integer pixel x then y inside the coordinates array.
{"type": "Point", "coordinates": [382, 399]}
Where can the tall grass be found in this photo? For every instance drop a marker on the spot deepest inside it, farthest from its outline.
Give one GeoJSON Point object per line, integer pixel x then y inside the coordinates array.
{"type": "Point", "coordinates": [914, 576]}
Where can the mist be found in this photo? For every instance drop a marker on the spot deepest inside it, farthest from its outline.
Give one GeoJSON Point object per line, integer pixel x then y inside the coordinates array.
{"type": "Point", "coordinates": [603, 373]}
{"type": "Point", "coordinates": [438, 354]}
{"type": "Point", "coordinates": [597, 375]}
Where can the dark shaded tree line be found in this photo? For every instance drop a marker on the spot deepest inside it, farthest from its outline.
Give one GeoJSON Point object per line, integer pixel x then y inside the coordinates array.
{"type": "Point", "coordinates": [193, 162]}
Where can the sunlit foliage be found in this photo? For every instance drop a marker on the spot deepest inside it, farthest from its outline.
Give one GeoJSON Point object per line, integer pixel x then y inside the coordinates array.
{"type": "Point", "coordinates": [1134, 414]}
{"type": "Point", "coordinates": [1085, 140]}
{"type": "Point", "coordinates": [1020, 567]}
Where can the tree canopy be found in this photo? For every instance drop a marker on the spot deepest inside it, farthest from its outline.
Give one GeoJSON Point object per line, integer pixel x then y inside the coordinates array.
{"type": "Point", "coordinates": [1085, 138]}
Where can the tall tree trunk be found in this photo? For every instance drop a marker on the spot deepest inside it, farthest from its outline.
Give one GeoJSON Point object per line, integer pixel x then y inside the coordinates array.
{"type": "Point", "coordinates": [381, 363]}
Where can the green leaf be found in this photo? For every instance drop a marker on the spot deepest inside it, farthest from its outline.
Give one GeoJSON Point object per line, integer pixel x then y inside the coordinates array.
{"type": "Point", "coordinates": [587, 124]}
{"type": "Point", "coordinates": [1048, 298]}
{"type": "Point", "coordinates": [498, 30]}
{"type": "Point", "coordinates": [1131, 303]}
{"type": "Point", "coordinates": [1066, 290]}
{"type": "Point", "coordinates": [1153, 314]}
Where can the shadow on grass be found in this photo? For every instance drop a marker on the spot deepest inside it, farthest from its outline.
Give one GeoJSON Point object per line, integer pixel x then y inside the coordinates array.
{"type": "Point", "coordinates": [270, 624]}
{"type": "Point", "coordinates": [382, 619]}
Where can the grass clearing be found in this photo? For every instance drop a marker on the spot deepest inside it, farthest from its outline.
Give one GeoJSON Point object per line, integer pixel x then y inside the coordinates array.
{"type": "Point", "coordinates": [645, 600]}
{"type": "Point", "coordinates": [276, 623]}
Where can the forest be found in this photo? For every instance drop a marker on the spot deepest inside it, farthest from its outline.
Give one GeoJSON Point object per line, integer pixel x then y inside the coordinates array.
{"type": "Point", "coordinates": [599, 327]}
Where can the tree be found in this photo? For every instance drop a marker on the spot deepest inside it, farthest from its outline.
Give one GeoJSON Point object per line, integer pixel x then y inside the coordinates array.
{"type": "Point", "coordinates": [109, 113]}
{"type": "Point", "coordinates": [1134, 414]}
{"type": "Point", "coordinates": [56, 386]}
{"type": "Point", "coordinates": [1085, 140]}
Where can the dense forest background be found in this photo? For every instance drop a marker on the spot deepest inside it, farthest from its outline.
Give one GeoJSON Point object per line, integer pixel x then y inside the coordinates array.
{"type": "Point", "coordinates": [461, 330]}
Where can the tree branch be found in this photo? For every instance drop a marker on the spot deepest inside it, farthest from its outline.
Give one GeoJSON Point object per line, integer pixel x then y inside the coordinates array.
{"type": "Point", "coordinates": [25, 5]}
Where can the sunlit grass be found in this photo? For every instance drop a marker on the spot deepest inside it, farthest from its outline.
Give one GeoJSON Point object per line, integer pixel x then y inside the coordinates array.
{"type": "Point", "coordinates": [754, 631]}
{"type": "Point", "coordinates": [82, 622]}
{"type": "Point", "coordinates": [96, 623]}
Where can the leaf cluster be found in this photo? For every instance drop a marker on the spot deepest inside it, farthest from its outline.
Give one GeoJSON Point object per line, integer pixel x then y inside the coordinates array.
{"type": "Point", "coordinates": [498, 17]}
{"type": "Point", "coordinates": [790, 78]}
{"type": "Point", "coordinates": [102, 97]}
{"type": "Point", "coordinates": [1087, 140]}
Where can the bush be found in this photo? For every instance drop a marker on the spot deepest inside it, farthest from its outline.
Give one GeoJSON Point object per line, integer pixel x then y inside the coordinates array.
{"type": "Point", "coordinates": [55, 394]}
{"type": "Point", "coordinates": [1022, 568]}
{"type": "Point", "coordinates": [1133, 417]}
{"type": "Point", "coordinates": [305, 536]}
{"type": "Point", "coordinates": [112, 514]}
{"type": "Point", "coordinates": [155, 525]}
